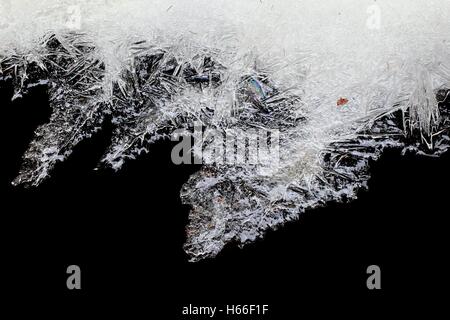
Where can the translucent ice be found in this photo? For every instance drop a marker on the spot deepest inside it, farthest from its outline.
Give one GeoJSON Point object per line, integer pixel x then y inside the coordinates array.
{"type": "Point", "coordinates": [340, 80]}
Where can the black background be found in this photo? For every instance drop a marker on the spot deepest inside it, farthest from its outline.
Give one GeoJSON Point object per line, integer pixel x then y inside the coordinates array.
{"type": "Point", "coordinates": [126, 230]}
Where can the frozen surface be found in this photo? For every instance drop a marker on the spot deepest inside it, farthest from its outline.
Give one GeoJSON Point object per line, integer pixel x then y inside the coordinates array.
{"type": "Point", "coordinates": [342, 80]}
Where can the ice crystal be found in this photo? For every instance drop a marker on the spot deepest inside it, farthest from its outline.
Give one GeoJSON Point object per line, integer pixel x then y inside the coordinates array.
{"type": "Point", "coordinates": [340, 80]}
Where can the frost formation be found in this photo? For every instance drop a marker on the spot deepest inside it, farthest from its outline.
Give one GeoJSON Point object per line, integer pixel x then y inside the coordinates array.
{"type": "Point", "coordinates": [153, 67]}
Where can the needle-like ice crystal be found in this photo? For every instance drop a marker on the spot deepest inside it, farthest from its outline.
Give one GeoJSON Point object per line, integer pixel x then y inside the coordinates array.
{"type": "Point", "coordinates": [340, 80]}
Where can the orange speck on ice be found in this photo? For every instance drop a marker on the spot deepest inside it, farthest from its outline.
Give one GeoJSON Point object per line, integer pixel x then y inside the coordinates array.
{"type": "Point", "coordinates": [342, 101]}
